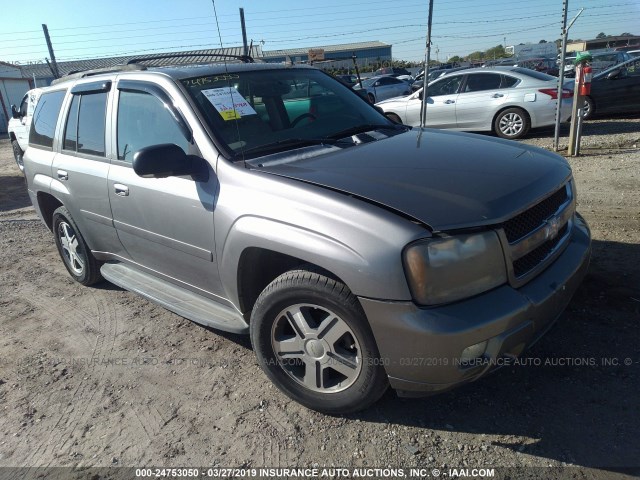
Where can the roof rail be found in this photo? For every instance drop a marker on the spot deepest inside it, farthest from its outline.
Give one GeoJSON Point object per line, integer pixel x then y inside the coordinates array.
{"type": "Point", "coordinates": [97, 71]}
{"type": "Point", "coordinates": [244, 58]}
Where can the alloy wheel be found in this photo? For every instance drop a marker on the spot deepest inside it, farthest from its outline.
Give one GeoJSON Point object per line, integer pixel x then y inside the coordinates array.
{"type": "Point", "coordinates": [316, 348]}
{"type": "Point", "coordinates": [511, 124]}
{"type": "Point", "coordinates": [70, 247]}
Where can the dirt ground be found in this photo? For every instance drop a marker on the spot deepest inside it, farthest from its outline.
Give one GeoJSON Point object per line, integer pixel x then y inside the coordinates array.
{"type": "Point", "coordinates": [101, 377]}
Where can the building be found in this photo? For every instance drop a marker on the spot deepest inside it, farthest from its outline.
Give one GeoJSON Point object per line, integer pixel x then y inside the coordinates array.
{"type": "Point", "coordinates": [335, 56]}
{"type": "Point", "coordinates": [12, 89]}
{"type": "Point", "coordinates": [601, 43]}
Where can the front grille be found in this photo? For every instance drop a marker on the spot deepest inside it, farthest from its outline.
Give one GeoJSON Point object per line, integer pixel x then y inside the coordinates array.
{"type": "Point", "coordinates": [534, 258]}
{"type": "Point", "coordinates": [525, 223]}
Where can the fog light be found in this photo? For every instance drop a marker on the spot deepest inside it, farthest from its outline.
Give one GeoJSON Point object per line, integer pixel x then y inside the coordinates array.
{"type": "Point", "coordinates": [473, 352]}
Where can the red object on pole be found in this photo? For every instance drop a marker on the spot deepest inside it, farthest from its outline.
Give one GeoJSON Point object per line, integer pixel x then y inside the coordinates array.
{"type": "Point", "coordinates": [585, 84]}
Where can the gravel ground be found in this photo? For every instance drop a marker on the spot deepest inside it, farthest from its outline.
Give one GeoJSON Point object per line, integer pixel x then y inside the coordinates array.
{"type": "Point", "coordinates": [101, 377]}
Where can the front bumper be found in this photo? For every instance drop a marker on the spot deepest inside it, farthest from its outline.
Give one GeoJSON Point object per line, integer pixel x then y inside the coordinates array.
{"type": "Point", "coordinates": [420, 348]}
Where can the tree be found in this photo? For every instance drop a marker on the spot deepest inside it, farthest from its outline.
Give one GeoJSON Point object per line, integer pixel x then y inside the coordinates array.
{"type": "Point", "coordinates": [627, 34]}
{"type": "Point", "coordinates": [455, 59]}
{"type": "Point", "coordinates": [601, 35]}
{"type": "Point", "coordinates": [542, 41]}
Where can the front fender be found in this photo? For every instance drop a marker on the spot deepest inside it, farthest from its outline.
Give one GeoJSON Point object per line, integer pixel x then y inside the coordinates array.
{"type": "Point", "coordinates": [363, 278]}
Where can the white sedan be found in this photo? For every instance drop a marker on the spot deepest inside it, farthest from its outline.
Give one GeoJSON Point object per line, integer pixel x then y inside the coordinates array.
{"type": "Point", "coordinates": [506, 100]}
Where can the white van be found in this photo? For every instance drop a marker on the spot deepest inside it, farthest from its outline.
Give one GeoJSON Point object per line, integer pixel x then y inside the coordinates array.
{"type": "Point", "coordinates": [20, 123]}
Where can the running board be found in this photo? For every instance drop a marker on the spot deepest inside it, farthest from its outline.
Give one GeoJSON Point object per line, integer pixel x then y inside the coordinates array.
{"type": "Point", "coordinates": [179, 300]}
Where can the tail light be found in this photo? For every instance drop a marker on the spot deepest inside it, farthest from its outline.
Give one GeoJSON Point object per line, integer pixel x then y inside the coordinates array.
{"type": "Point", "coordinates": [553, 93]}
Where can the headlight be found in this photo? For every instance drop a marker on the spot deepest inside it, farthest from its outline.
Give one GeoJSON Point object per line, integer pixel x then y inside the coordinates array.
{"type": "Point", "coordinates": [442, 270]}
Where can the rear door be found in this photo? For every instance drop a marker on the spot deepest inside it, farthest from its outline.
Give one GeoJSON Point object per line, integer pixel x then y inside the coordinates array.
{"type": "Point", "coordinates": [481, 96]}
{"type": "Point", "coordinates": [80, 167]}
{"type": "Point", "coordinates": [164, 224]}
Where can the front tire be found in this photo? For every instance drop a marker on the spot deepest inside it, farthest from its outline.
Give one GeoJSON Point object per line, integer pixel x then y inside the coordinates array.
{"type": "Point", "coordinates": [372, 98]}
{"type": "Point", "coordinates": [76, 255]}
{"type": "Point", "coordinates": [312, 340]}
{"type": "Point", "coordinates": [18, 154]}
{"type": "Point", "coordinates": [512, 123]}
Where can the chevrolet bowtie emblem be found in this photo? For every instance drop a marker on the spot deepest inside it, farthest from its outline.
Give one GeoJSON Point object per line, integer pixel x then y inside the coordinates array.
{"type": "Point", "coordinates": [551, 230]}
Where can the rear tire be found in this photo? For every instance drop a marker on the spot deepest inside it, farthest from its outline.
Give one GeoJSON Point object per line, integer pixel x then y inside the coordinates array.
{"type": "Point", "coordinates": [312, 339]}
{"type": "Point", "coordinates": [589, 109]}
{"type": "Point", "coordinates": [512, 123]}
{"type": "Point", "coordinates": [18, 155]}
{"type": "Point", "coordinates": [76, 255]}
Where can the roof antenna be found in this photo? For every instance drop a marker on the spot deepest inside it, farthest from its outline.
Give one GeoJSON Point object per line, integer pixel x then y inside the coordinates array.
{"type": "Point", "coordinates": [226, 69]}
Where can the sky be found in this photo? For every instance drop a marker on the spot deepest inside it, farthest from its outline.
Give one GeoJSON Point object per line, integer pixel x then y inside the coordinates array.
{"type": "Point", "coordinates": [90, 28]}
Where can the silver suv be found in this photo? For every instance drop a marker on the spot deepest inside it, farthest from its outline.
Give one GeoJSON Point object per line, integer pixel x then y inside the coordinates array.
{"type": "Point", "coordinates": [274, 201]}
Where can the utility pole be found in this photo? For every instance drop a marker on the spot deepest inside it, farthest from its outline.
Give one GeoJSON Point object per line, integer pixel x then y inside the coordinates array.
{"type": "Point", "coordinates": [425, 83]}
{"type": "Point", "coordinates": [54, 64]}
{"type": "Point", "coordinates": [244, 33]}
{"type": "Point", "coordinates": [563, 54]}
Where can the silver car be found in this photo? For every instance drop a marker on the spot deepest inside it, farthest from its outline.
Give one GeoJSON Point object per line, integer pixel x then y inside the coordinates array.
{"type": "Point", "coordinates": [383, 87]}
{"type": "Point", "coordinates": [506, 100]}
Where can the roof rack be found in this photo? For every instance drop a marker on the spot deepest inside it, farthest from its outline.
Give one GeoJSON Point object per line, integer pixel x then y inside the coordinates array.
{"type": "Point", "coordinates": [97, 71]}
{"type": "Point", "coordinates": [244, 58]}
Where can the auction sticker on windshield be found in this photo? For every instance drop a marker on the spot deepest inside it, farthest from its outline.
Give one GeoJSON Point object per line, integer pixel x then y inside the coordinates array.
{"type": "Point", "coordinates": [229, 103]}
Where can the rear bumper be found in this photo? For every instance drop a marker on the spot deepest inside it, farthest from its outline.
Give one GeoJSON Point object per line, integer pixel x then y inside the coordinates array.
{"type": "Point", "coordinates": [420, 348]}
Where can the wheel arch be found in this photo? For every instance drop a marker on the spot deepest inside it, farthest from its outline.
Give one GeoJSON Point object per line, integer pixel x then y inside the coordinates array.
{"type": "Point", "coordinates": [47, 204]}
{"type": "Point", "coordinates": [264, 248]}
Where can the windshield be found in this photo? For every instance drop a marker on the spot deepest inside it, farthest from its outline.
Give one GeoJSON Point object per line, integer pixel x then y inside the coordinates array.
{"type": "Point", "coordinates": [632, 65]}
{"type": "Point", "coordinates": [284, 107]}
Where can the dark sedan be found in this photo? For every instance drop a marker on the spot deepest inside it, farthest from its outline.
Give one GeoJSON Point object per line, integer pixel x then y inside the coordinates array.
{"type": "Point", "coordinates": [615, 90]}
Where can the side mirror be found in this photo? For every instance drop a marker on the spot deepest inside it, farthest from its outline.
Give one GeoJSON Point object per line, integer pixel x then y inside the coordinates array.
{"type": "Point", "coordinates": [377, 84]}
{"type": "Point", "coordinates": [15, 112]}
{"type": "Point", "coordinates": [166, 160]}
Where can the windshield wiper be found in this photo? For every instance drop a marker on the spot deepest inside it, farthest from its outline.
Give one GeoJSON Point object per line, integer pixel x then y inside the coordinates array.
{"type": "Point", "coordinates": [287, 143]}
{"type": "Point", "coordinates": [365, 128]}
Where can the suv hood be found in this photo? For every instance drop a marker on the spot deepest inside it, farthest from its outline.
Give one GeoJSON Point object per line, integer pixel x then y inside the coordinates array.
{"type": "Point", "coordinates": [446, 180]}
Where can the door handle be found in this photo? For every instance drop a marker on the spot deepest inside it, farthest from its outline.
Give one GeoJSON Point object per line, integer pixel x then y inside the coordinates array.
{"type": "Point", "coordinates": [497, 95]}
{"type": "Point", "coordinates": [121, 190]}
{"type": "Point", "coordinates": [450, 101]}
{"type": "Point", "coordinates": [63, 175]}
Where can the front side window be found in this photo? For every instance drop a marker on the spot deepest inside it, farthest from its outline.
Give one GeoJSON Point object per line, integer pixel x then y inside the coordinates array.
{"type": "Point", "coordinates": [45, 118]}
{"type": "Point", "coordinates": [446, 86]}
{"type": "Point", "coordinates": [144, 121]}
{"type": "Point", "coordinates": [479, 82]}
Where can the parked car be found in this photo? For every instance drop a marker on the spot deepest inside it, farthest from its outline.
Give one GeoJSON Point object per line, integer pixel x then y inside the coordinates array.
{"type": "Point", "coordinates": [20, 124]}
{"type": "Point", "coordinates": [392, 71]}
{"type": "Point", "coordinates": [349, 248]}
{"type": "Point", "coordinates": [506, 100]}
{"type": "Point", "coordinates": [544, 65]}
{"type": "Point", "coordinates": [634, 53]}
{"type": "Point", "coordinates": [615, 90]}
{"type": "Point", "coordinates": [381, 88]}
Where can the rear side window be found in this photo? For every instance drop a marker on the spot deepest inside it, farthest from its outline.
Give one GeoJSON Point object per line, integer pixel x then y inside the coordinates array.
{"type": "Point", "coordinates": [143, 121]}
{"type": "Point", "coordinates": [45, 117]}
{"type": "Point", "coordinates": [508, 81]}
{"type": "Point", "coordinates": [84, 131]}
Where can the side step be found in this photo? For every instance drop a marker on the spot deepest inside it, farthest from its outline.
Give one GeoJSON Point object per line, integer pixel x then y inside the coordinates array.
{"type": "Point", "coordinates": [179, 300]}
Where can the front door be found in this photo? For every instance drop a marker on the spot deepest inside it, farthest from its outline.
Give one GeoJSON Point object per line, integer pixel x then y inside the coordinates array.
{"type": "Point", "coordinates": [441, 103]}
{"type": "Point", "coordinates": [164, 224]}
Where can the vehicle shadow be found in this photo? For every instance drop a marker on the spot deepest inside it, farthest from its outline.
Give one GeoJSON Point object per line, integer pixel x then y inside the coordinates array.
{"type": "Point", "coordinates": [580, 403]}
{"type": "Point", "coordinates": [13, 193]}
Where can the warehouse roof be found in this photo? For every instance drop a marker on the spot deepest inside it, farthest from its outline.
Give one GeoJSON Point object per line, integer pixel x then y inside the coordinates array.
{"type": "Point", "coordinates": [327, 49]}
